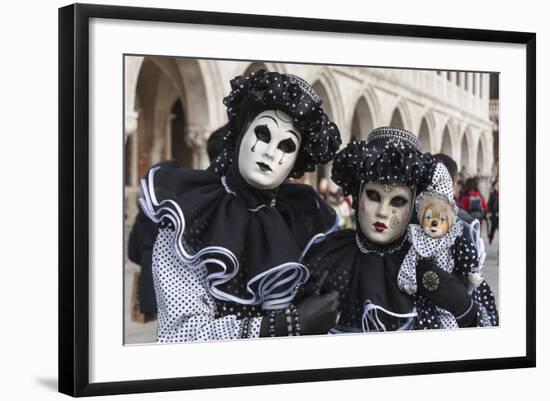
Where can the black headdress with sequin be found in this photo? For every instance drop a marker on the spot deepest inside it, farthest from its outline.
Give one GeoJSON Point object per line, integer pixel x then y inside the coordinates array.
{"type": "Point", "coordinates": [390, 156]}
{"type": "Point", "coordinates": [260, 91]}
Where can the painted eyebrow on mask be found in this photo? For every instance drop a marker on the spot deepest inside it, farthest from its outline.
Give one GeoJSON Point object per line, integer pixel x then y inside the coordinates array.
{"type": "Point", "coordinates": [295, 134]}
{"type": "Point", "coordinates": [276, 122]}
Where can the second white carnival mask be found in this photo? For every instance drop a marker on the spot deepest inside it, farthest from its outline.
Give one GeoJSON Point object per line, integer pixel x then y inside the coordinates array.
{"type": "Point", "coordinates": [384, 211]}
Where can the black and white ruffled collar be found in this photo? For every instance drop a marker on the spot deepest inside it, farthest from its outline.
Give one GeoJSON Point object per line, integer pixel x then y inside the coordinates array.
{"type": "Point", "coordinates": [252, 253]}
{"type": "Point", "coordinates": [427, 246]}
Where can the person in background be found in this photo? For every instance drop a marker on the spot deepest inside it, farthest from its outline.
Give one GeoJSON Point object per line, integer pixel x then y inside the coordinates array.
{"type": "Point", "coordinates": [458, 184]}
{"type": "Point", "coordinates": [323, 189]}
{"type": "Point", "coordinates": [492, 210]}
{"type": "Point", "coordinates": [214, 145]}
{"type": "Point", "coordinates": [337, 201]}
{"type": "Point", "coordinates": [140, 247]}
{"type": "Point", "coordinates": [140, 251]}
{"type": "Point", "coordinates": [473, 202]}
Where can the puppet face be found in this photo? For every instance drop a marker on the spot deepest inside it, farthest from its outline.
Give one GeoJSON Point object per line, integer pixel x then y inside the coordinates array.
{"type": "Point", "coordinates": [269, 149]}
{"type": "Point", "coordinates": [437, 217]}
{"type": "Point", "coordinates": [384, 211]}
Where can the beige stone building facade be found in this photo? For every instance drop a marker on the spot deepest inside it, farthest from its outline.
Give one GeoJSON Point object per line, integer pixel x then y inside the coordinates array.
{"type": "Point", "coordinates": [172, 105]}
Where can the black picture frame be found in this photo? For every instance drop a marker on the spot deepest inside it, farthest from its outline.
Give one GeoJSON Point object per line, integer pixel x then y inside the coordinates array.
{"type": "Point", "coordinates": [74, 194]}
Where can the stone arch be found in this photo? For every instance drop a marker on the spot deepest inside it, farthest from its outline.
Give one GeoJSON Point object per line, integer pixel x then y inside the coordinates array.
{"type": "Point", "coordinates": [255, 66]}
{"type": "Point", "coordinates": [453, 129]}
{"type": "Point", "coordinates": [166, 96]}
{"type": "Point", "coordinates": [430, 126]}
{"type": "Point", "coordinates": [328, 92]}
{"type": "Point", "coordinates": [424, 135]}
{"type": "Point", "coordinates": [467, 153]}
{"type": "Point", "coordinates": [324, 82]}
{"type": "Point", "coordinates": [362, 121]}
{"type": "Point", "coordinates": [179, 150]}
{"type": "Point", "coordinates": [446, 142]}
{"type": "Point", "coordinates": [464, 156]}
{"type": "Point", "coordinates": [369, 96]}
{"type": "Point", "coordinates": [195, 97]}
{"type": "Point", "coordinates": [168, 89]}
{"type": "Point", "coordinates": [132, 67]}
{"type": "Point", "coordinates": [401, 116]}
{"type": "Point", "coordinates": [263, 65]}
{"type": "Point", "coordinates": [397, 119]}
{"type": "Point", "coordinates": [129, 158]}
{"type": "Point", "coordinates": [146, 95]}
{"type": "Point", "coordinates": [327, 104]}
{"type": "Point", "coordinates": [480, 167]}
{"type": "Point", "coordinates": [486, 142]}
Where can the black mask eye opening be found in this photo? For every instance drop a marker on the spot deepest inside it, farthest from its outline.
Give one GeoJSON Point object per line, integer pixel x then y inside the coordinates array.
{"type": "Point", "coordinates": [262, 133]}
{"type": "Point", "coordinates": [373, 195]}
{"type": "Point", "coordinates": [287, 146]}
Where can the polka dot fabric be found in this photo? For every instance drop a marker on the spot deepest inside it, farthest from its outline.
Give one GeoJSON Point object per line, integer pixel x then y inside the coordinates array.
{"type": "Point", "coordinates": [186, 310]}
{"type": "Point", "coordinates": [360, 277]}
{"type": "Point", "coordinates": [452, 253]}
{"type": "Point", "coordinates": [440, 249]}
{"type": "Point", "coordinates": [487, 314]}
{"type": "Point", "coordinates": [442, 182]}
{"type": "Point", "coordinates": [465, 256]}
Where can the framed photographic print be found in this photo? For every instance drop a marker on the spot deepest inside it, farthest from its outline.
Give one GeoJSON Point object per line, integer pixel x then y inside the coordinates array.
{"type": "Point", "coordinates": [290, 200]}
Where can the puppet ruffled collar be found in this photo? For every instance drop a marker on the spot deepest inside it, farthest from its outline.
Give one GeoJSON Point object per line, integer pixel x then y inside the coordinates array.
{"type": "Point", "coordinates": [429, 247]}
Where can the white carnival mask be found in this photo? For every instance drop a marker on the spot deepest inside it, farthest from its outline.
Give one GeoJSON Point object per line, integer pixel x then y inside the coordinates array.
{"type": "Point", "coordinates": [269, 149]}
{"type": "Point", "coordinates": [384, 211]}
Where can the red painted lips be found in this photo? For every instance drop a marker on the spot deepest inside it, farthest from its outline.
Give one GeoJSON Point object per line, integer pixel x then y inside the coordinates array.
{"type": "Point", "coordinates": [379, 226]}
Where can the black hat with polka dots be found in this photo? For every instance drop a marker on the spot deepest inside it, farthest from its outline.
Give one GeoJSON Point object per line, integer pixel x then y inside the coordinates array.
{"type": "Point", "coordinates": [262, 90]}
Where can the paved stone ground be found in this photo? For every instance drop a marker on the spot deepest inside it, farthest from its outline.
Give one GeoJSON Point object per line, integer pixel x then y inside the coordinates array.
{"type": "Point", "coordinates": [141, 333]}
{"type": "Point", "coordinates": [490, 270]}
{"type": "Point", "coordinates": [135, 333]}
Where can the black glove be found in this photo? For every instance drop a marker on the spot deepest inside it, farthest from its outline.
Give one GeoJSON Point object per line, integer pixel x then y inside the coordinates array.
{"type": "Point", "coordinates": [312, 287]}
{"type": "Point", "coordinates": [447, 291]}
{"type": "Point", "coordinates": [317, 314]}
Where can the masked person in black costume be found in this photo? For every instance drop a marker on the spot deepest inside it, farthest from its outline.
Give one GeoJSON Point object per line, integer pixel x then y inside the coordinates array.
{"type": "Point", "coordinates": [384, 175]}
{"type": "Point", "coordinates": [227, 260]}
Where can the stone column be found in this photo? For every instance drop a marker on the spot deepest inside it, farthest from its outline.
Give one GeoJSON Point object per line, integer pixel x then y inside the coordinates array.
{"type": "Point", "coordinates": [462, 80]}
{"type": "Point", "coordinates": [130, 129]}
{"type": "Point", "coordinates": [469, 81]}
{"type": "Point", "coordinates": [478, 84]}
{"type": "Point", "coordinates": [453, 77]}
{"type": "Point", "coordinates": [196, 138]}
{"type": "Point", "coordinates": [131, 191]}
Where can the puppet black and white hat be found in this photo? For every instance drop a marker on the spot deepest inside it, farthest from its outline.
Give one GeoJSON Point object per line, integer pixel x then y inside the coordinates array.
{"type": "Point", "coordinates": [441, 185]}
{"type": "Point", "coordinates": [264, 90]}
